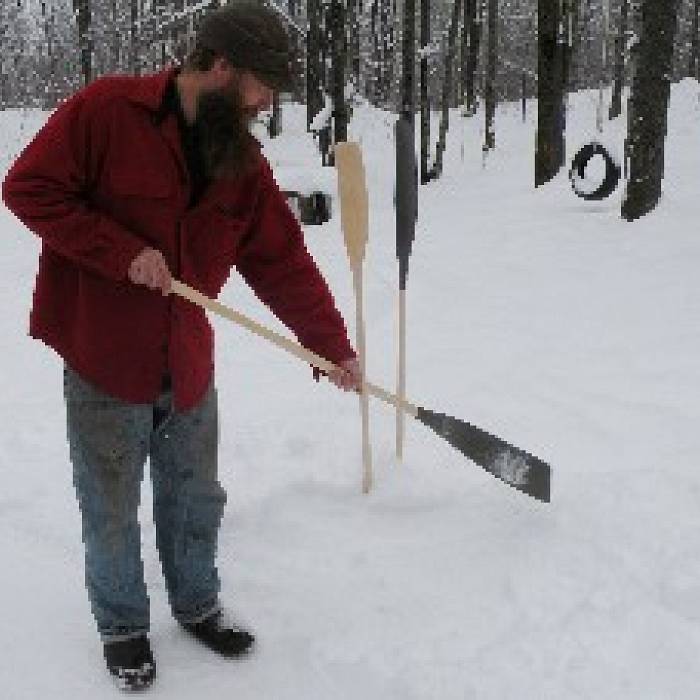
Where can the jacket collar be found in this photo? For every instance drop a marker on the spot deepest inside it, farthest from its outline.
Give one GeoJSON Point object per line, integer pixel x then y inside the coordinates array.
{"type": "Point", "coordinates": [149, 90]}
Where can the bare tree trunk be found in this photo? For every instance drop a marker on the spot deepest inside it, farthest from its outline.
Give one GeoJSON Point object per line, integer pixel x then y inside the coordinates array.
{"type": "Point", "coordinates": [446, 87]}
{"type": "Point", "coordinates": [296, 44]}
{"type": "Point", "coordinates": [549, 154]}
{"type": "Point", "coordinates": [694, 67]}
{"type": "Point", "coordinates": [339, 52]}
{"type": "Point", "coordinates": [620, 50]}
{"type": "Point", "coordinates": [647, 118]}
{"type": "Point", "coordinates": [456, 92]}
{"type": "Point", "coordinates": [314, 97]}
{"type": "Point", "coordinates": [114, 37]}
{"type": "Point", "coordinates": [274, 127]}
{"type": "Point", "coordinates": [475, 28]}
{"type": "Point", "coordinates": [49, 97]}
{"type": "Point", "coordinates": [376, 51]}
{"type": "Point", "coordinates": [569, 11]}
{"type": "Point", "coordinates": [134, 63]}
{"type": "Point", "coordinates": [604, 73]}
{"type": "Point", "coordinates": [572, 49]}
{"type": "Point", "coordinates": [14, 32]}
{"type": "Point", "coordinates": [424, 98]}
{"type": "Point", "coordinates": [53, 85]}
{"type": "Point", "coordinates": [468, 10]}
{"type": "Point", "coordinates": [356, 55]}
{"type": "Point", "coordinates": [408, 72]}
{"type": "Point", "coordinates": [490, 92]}
{"type": "Point", "coordinates": [353, 42]}
{"type": "Point", "coordinates": [84, 21]}
{"type": "Point", "coordinates": [634, 20]}
{"type": "Point", "coordinates": [385, 33]}
{"type": "Point", "coordinates": [4, 41]}
{"type": "Point", "coordinates": [325, 136]}
{"type": "Point", "coordinates": [389, 55]}
{"type": "Point", "coordinates": [158, 39]}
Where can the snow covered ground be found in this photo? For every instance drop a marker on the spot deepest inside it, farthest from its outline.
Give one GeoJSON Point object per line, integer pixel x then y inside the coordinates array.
{"type": "Point", "coordinates": [538, 316]}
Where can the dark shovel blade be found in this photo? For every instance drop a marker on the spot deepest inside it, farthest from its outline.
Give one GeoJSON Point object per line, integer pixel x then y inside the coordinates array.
{"type": "Point", "coordinates": [516, 467]}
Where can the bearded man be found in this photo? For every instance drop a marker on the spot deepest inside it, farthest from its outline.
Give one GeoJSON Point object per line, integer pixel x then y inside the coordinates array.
{"type": "Point", "coordinates": [132, 180]}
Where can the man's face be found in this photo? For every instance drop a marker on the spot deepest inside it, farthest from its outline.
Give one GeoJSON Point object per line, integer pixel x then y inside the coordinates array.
{"type": "Point", "coordinates": [254, 93]}
{"type": "Point", "coordinates": [243, 93]}
{"type": "Point", "coordinates": [241, 87]}
{"type": "Point", "coordinates": [223, 116]}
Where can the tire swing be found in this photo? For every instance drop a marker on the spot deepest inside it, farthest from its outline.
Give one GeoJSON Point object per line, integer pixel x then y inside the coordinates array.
{"type": "Point", "coordinates": [577, 173]}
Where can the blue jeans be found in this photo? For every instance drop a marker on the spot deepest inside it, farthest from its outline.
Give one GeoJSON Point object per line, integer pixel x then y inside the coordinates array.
{"type": "Point", "coordinates": [109, 441]}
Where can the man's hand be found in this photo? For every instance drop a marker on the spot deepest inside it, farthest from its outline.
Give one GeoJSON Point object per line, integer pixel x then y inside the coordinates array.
{"type": "Point", "coordinates": [348, 377]}
{"type": "Point", "coordinates": [149, 268]}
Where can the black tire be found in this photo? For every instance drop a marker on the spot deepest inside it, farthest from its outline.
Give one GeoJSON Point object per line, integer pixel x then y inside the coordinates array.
{"type": "Point", "coordinates": [613, 172]}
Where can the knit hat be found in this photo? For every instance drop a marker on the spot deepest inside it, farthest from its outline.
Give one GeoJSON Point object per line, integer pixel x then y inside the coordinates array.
{"type": "Point", "coordinates": [252, 37]}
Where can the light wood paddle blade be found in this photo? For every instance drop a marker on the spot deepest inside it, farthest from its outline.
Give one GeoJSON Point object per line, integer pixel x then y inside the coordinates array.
{"type": "Point", "coordinates": [354, 215]}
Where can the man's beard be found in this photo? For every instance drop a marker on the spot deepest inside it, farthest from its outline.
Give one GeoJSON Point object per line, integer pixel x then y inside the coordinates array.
{"type": "Point", "coordinates": [222, 127]}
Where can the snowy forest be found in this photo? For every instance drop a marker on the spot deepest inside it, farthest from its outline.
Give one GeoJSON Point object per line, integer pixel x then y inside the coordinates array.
{"type": "Point", "coordinates": [426, 57]}
{"type": "Point", "coordinates": [42, 42]}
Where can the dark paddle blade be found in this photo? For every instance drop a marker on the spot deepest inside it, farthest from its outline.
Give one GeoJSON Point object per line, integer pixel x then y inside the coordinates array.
{"type": "Point", "coordinates": [406, 195]}
{"type": "Point", "coordinates": [516, 467]}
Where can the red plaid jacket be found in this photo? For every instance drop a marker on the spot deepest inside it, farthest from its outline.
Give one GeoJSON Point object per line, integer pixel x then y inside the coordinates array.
{"type": "Point", "coordinates": [101, 181]}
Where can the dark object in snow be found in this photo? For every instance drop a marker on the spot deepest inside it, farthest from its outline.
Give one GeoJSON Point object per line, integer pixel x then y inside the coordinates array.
{"type": "Point", "coordinates": [131, 663]}
{"type": "Point", "coordinates": [516, 467]}
{"type": "Point", "coordinates": [578, 172]}
{"type": "Point", "coordinates": [313, 209]}
{"type": "Point", "coordinates": [221, 636]}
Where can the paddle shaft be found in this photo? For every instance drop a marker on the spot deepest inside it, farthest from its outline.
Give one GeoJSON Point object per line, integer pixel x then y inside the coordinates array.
{"type": "Point", "coordinates": [281, 341]}
{"type": "Point", "coordinates": [364, 399]}
{"type": "Point", "coordinates": [354, 219]}
{"type": "Point", "coordinates": [401, 379]}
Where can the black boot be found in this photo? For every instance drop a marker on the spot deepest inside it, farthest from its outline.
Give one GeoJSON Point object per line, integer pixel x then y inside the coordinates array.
{"type": "Point", "coordinates": [131, 663]}
{"type": "Point", "coordinates": [221, 635]}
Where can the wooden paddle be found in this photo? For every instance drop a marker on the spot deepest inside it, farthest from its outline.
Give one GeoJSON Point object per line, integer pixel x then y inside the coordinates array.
{"type": "Point", "coordinates": [406, 214]}
{"type": "Point", "coordinates": [354, 218]}
{"type": "Point", "coordinates": [510, 464]}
